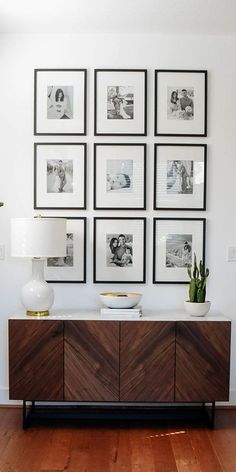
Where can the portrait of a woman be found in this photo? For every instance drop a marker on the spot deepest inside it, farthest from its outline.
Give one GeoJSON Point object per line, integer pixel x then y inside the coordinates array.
{"type": "Point", "coordinates": [58, 104]}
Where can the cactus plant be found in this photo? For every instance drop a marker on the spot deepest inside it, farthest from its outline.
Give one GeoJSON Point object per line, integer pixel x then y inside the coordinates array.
{"type": "Point", "coordinates": [198, 278]}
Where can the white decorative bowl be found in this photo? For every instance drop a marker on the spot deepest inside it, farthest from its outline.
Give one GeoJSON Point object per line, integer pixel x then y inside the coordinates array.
{"type": "Point", "coordinates": [197, 309]}
{"type": "Point", "coordinates": [120, 299]}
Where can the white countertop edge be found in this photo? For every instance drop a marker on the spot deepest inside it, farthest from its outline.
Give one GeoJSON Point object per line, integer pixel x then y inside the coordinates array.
{"type": "Point", "coordinates": [94, 315]}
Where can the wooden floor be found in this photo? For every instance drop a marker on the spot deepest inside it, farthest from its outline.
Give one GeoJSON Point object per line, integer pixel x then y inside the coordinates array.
{"type": "Point", "coordinates": [175, 447]}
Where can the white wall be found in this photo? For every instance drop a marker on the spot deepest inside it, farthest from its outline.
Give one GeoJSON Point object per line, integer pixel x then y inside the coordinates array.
{"type": "Point", "coordinates": [19, 55]}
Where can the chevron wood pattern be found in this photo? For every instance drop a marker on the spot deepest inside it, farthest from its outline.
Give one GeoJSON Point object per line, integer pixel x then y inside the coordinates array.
{"type": "Point", "coordinates": [147, 361]}
{"type": "Point", "coordinates": [127, 361]}
{"type": "Point", "coordinates": [91, 360]}
{"type": "Point", "coordinates": [36, 360]}
{"type": "Point", "coordinates": [202, 361]}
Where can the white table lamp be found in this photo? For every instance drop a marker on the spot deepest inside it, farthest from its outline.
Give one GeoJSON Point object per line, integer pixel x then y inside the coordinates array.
{"type": "Point", "coordinates": [38, 238]}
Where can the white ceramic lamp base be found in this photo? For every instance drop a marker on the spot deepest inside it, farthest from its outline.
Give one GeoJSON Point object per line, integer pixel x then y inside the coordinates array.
{"type": "Point", "coordinates": [37, 296]}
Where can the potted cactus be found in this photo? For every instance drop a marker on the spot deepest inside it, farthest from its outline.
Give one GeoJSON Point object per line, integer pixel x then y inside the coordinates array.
{"type": "Point", "coordinates": [197, 304]}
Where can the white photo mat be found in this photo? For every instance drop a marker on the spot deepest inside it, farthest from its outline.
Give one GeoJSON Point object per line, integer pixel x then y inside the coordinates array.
{"type": "Point", "coordinates": [134, 79]}
{"type": "Point", "coordinates": [187, 153]}
{"type": "Point", "coordinates": [134, 227]}
{"type": "Point", "coordinates": [76, 79]}
{"type": "Point", "coordinates": [76, 272]}
{"type": "Point", "coordinates": [184, 79]}
{"type": "Point", "coordinates": [167, 227]}
{"type": "Point", "coordinates": [131, 197]}
{"type": "Point", "coordinates": [76, 153]}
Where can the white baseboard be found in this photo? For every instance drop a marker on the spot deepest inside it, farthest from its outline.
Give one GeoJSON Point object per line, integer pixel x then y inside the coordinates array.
{"type": "Point", "coordinates": [4, 398]}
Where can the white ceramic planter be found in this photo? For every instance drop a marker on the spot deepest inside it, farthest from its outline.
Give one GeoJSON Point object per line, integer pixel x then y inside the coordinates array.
{"type": "Point", "coordinates": [197, 309]}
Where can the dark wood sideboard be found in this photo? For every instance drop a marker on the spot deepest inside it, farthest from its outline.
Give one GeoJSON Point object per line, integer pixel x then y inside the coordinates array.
{"type": "Point", "coordinates": [119, 361]}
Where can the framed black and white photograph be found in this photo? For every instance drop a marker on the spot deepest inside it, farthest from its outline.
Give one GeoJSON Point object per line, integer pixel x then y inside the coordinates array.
{"type": "Point", "coordinates": [72, 267]}
{"type": "Point", "coordinates": [175, 240]}
{"type": "Point", "coordinates": [180, 176]}
{"type": "Point", "coordinates": [120, 102]}
{"type": "Point", "coordinates": [180, 103]}
{"type": "Point", "coordinates": [120, 176]}
{"type": "Point", "coordinates": [60, 101]}
{"type": "Point", "coordinates": [119, 250]}
{"type": "Point", "coordinates": [60, 176]}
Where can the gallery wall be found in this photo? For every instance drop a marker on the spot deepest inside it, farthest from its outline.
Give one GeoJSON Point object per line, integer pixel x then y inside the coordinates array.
{"type": "Point", "coordinates": [19, 55]}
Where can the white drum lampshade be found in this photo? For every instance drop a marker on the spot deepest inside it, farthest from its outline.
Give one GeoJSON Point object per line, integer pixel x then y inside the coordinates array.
{"type": "Point", "coordinates": [38, 238]}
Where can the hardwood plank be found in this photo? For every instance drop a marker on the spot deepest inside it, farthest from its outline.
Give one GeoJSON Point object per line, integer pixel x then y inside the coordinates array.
{"type": "Point", "coordinates": [185, 457]}
{"type": "Point", "coordinates": [121, 456]}
{"type": "Point", "coordinates": [163, 455]}
{"type": "Point", "coordinates": [24, 451]}
{"type": "Point", "coordinates": [91, 361]}
{"type": "Point", "coordinates": [79, 448]}
{"type": "Point", "coordinates": [147, 360]}
{"type": "Point", "coordinates": [8, 423]}
{"type": "Point", "coordinates": [103, 455]}
{"type": "Point", "coordinates": [141, 451]}
{"type": "Point", "coordinates": [202, 361]}
{"type": "Point", "coordinates": [78, 459]}
{"type": "Point", "coordinates": [57, 457]}
{"type": "Point", "coordinates": [35, 450]}
{"type": "Point", "coordinates": [223, 439]}
{"type": "Point", "coordinates": [36, 360]}
{"type": "Point", "coordinates": [81, 438]}
{"type": "Point", "coordinates": [203, 450]}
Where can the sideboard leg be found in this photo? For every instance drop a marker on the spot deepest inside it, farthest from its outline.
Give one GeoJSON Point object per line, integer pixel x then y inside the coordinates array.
{"type": "Point", "coordinates": [26, 414]}
{"type": "Point", "coordinates": [210, 416]}
{"type": "Point", "coordinates": [213, 412]}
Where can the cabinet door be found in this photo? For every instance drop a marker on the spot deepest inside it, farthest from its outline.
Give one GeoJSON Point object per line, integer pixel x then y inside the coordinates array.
{"type": "Point", "coordinates": [147, 360]}
{"type": "Point", "coordinates": [91, 360]}
{"type": "Point", "coordinates": [202, 361]}
{"type": "Point", "coordinates": [36, 360]}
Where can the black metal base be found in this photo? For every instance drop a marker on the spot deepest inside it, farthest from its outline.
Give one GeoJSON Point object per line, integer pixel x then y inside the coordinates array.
{"type": "Point", "coordinates": [110, 412]}
{"type": "Point", "coordinates": [210, 414]}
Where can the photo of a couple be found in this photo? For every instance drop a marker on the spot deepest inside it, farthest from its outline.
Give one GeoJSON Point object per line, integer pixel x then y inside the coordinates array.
{"type": "Point", "coordinates": [180, 103]}
{"type": "Point", "coordinates": [179, 177]}
{"type": "Point", "coordinates": [119, 250]}
{"type": "Point", "coordinates": [59, 176]}
{"type": "Point", "coordinates": [120, 102]}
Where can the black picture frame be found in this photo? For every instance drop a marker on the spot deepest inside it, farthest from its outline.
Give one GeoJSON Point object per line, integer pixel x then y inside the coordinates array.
{"type": "Point", "coordinates": [129, 195]}
{"type": "Point", "coordinates": [126, 220]}
{"type": "Point", "coordinates": [39, 206]}
{"type": "Point", "coordinates": [140, 133]}
{"type": "Point", "coordinates": [204, 113]}
{"type": "Point", "coordinates": [201, 256]}
{"type": "Point", "coordinates": [84, 112]}
{"type": "Point", "coordinates": [204, 185]}
{"type": "Point", "coordinates": [84, 265]}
